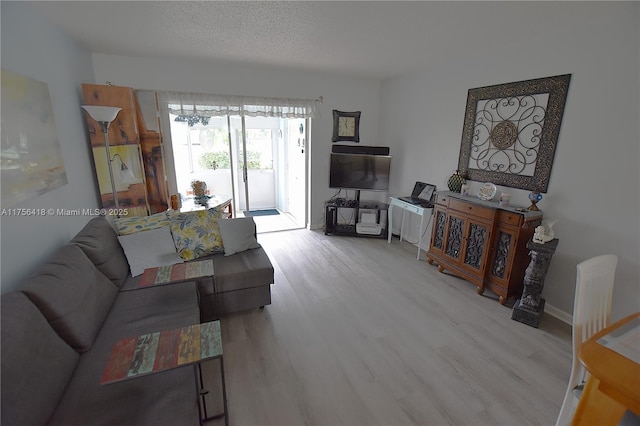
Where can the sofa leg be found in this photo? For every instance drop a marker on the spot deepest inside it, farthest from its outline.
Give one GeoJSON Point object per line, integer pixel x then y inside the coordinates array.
{"type": "Point", "coordinates": [262, 308]}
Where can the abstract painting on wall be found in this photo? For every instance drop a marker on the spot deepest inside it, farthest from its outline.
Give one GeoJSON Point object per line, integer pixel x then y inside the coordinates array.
{"type": "Point", "coordinates": [31, 161]}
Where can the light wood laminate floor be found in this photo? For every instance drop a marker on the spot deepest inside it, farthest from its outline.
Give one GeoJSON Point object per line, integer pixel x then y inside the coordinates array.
{"type": "Point", "coordinates": [361, 333]}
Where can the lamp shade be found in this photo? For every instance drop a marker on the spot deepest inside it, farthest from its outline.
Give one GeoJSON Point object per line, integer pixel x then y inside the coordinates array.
{"type": "Point", "coordinates": [102, 113]}
{"type": "Point", "coordinates": [127, 176]}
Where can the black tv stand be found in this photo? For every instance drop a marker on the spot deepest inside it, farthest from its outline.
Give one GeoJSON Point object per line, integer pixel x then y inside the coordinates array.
{"type": "Point", "coordinates": [331, 209]}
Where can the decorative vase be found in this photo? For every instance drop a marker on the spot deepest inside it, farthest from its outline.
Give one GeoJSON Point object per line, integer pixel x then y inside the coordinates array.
{"type": "Point", "coordinates": [200, 192]}
{"type": "Point", "coordinates": [535, 197]}
{"type": "Point", "coordinates": [455, 182]}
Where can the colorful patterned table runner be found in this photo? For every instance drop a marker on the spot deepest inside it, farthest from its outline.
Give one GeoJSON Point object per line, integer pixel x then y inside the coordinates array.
{"type": "Point", "coordinates": [176, 273]}
{"type": "Point", "coordinates": [151, 353]}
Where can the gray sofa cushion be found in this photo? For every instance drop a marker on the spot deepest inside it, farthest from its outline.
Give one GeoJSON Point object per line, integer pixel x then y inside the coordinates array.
{"type": "Point", "coordinates": [36, 363]}
{"type": "Point", "coordinates": [247, 269]}
{"type": "Point", "coordinates": [73, 296]}
{"type": "Point", "coordinates": [165, 398]}
{"type": "Point", "coordinates": [241, 281]}
{"type": "Point", "coordinates": [131, 283]}
{"type": "Point", "coordinates": [99, 241]}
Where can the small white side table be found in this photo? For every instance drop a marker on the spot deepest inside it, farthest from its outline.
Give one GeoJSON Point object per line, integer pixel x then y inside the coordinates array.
{"type": "Point", "coordinates": [413, 208]}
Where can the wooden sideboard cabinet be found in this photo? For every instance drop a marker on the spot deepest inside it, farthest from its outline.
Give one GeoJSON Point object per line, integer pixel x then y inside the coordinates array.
{"type": "Point", "coordinates": [482, 242]}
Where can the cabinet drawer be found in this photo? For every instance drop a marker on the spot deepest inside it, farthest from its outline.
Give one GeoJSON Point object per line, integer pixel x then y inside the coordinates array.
{"type": "Point", "coordinates": [442, 200]}
{"type": "Point", "coordinates": [509, 218]}
{"type": "Point", "coordinates": [472, 209]}
{"type": "Point", "coordinates": [411, 208]}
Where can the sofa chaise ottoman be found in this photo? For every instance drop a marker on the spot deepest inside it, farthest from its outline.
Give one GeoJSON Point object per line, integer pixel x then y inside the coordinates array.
{"type": "Point", "coordinates": [243, 273]}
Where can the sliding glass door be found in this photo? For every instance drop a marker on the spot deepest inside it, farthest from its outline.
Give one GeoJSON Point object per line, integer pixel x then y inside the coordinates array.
{"type": "Point", "coordinates": [249, 149]}
{"type": "Point", "coordinates": [255, 140]}
{"type": "Point", "coordinates": [201, 152]}
{"type": "Point", "coordinates": [257, 161]}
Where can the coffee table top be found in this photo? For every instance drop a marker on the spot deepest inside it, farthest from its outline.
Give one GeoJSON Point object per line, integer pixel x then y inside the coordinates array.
{"type": "Point", "coordinates": [163, 350]}
{"type": "Point", "coordinates": [176, 273]}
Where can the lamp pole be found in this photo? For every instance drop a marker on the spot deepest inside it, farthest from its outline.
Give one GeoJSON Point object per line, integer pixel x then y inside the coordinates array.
{"type": "Point", "coordinates": [104, 115]}
{"type": "Point", "coordinates": [104, 125]}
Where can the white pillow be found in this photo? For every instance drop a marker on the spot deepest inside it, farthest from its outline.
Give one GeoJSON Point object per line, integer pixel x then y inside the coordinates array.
{"type": "Point", "coordinates": [238, 234]}
{"type": "Point", "coordinates": [149, 249]}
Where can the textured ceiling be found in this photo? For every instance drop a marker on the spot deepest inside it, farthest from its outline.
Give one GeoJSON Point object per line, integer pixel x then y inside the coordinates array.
{"type": "Point", "coordinates": [376, 39]}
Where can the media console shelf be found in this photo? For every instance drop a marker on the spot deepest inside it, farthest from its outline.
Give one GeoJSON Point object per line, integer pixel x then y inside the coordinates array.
{"type": "Point", "coordinates": [332, 216]}
{"type": "Point", "coordinates": [482, 242]}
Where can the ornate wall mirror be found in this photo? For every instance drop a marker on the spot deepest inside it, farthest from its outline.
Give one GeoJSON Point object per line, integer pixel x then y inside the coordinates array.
{"type": "Point", "coordinates": [511, 130]}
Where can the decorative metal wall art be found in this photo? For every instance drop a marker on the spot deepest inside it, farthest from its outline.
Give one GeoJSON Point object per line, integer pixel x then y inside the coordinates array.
{"type": "Point", "coordinates": [511, 131]}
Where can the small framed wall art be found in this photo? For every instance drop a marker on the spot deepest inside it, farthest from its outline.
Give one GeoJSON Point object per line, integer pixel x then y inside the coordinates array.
{"type": "Point", "coordinates": [346, 126]}
{"type": "Point", "coordinates": [511, 131]}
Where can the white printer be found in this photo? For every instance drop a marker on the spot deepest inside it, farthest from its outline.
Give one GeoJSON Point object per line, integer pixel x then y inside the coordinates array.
{"type": "Point", "coordinates": [368, 225]}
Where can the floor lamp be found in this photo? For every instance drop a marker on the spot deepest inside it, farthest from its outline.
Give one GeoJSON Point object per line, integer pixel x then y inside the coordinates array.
{"type": "Point", "coordinates": [126, 175]}
{"type": "Point", "coordinates": [104, 115]}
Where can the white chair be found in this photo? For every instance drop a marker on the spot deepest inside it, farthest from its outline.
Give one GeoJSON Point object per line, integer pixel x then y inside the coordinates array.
{"type": "Point", "coordinates": [591, 313]}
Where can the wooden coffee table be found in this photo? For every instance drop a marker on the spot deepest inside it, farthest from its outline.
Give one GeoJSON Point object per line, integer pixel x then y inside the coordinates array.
{"type": "Point", "coordinates": [165, 350]}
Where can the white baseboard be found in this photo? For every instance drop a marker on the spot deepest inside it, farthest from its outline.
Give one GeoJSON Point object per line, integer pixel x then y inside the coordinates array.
{"type": "Point", "coordinates": [557, 313]}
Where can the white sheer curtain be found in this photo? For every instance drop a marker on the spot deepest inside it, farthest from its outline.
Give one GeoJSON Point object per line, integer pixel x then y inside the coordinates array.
{"type": "Point", "coordinates": [207, 105]}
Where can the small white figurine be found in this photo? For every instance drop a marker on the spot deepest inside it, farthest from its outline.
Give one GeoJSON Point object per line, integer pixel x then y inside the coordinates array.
{"type": "Point", "coordinates": [544, 233]}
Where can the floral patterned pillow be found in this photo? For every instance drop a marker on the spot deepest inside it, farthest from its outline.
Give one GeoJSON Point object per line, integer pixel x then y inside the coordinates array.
{"type": "Point", "coordinates": [196, 234]}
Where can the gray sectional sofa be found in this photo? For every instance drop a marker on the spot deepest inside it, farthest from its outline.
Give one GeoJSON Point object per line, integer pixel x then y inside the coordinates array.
{"type": "Point", "coordinates": [59, 328]}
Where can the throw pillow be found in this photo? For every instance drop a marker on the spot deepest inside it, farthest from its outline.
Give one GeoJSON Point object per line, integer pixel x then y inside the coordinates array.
{"type": "Point", "coordinates": [196, 234]}
{"type": "Point", "coordinates": [238, 235]}
{"type": "Point", "coordinates": [131, 225]}
{"type": "Point", "coordinates": [149, 249]}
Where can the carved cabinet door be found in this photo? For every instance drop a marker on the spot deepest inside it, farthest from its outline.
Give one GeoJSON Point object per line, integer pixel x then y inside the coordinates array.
{"type": "Point", "coordinates": [455, 232]}
{"type": "Point", "coordinates": [438, 231]}
{"type": "Point", "coordinates": [509, 254]}
{"type": "Point", "coordinates": [502, 255]}
{"type": "Point", "coordinates": [464, 241]}
{"type": "Point", "coordinates": [477, 239]}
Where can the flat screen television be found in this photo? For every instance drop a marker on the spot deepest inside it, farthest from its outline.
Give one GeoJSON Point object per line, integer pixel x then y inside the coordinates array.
{"type": "Point", "coordinates": [360, 171]}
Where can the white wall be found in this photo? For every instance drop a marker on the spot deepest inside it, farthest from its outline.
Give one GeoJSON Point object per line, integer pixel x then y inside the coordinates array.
{"type": "Point", "coordinates": [33, 48]}
{"type": "Point", "coordinates": [594, 188]}
{"type": "Point", "coordinates": [344, 93]}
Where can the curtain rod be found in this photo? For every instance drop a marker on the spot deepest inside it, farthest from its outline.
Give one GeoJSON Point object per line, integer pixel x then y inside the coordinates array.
{"type": "Point", "coordinates": [318, 99]}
